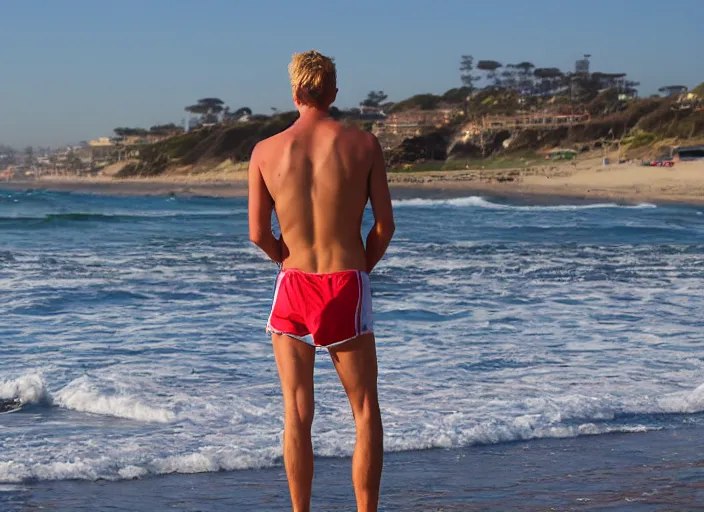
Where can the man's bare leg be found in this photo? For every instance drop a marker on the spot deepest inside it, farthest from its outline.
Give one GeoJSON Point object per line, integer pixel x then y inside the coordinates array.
{"type": "Point", "coordinates": [295, 361]}
{"type": "Point", "coordinates": [355, 362]}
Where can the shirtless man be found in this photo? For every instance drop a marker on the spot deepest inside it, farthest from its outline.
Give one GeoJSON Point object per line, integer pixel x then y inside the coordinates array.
{"type": "Point", "coordinates": [318, 175]}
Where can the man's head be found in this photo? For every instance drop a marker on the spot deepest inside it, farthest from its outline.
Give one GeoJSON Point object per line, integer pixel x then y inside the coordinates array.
{"type": "Point", "coordinates": [313, 80]}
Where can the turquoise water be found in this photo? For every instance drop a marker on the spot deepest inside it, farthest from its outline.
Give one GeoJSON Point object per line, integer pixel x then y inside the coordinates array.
{"type": "Point", "coordinates": [133, 328]}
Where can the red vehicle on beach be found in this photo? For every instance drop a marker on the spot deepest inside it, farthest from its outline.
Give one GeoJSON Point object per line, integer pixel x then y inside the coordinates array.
{"type": "Point", "coordinates": [661, 162]}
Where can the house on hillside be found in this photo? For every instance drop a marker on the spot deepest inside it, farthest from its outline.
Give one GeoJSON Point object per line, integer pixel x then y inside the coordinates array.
{"type": "Point", "coordinates": [414, 122]}
{"type": "Point", "coordinates": [100, 142]}
{"type": "Point", "coordinates": [371, 114]}
{"type": "Point", "coordinates": [688, 153]}
{"type": "Point", "coordinates": [398, 126]}
{"type": "Point", "coordinates": [688, 100]}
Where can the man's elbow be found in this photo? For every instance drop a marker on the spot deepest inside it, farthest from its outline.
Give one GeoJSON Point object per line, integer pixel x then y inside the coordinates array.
{"type": "Point", "coordinates": [386, 229]}
{"type": "Point", "coordinates": [256, 237]}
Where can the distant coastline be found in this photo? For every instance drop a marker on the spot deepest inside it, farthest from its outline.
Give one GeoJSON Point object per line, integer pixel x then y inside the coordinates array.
{"type": "Point", "coordinates": [585, 180]}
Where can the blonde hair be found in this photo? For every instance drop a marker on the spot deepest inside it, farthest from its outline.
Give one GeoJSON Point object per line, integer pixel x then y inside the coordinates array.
{"type": "Point", "coordinates": [313, 78]}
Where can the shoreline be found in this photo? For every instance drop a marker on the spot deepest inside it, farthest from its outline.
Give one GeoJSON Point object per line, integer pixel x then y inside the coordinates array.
{"type": "Point", "coordinates": [622, 471]}
{"type": "Point", "coordinates": [585, 181]}
{"type": "Point", "coordinates": [399, 190]}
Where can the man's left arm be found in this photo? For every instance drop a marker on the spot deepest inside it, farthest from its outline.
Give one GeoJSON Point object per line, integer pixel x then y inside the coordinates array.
{"type": "Point", "coordinates": [260, 208]}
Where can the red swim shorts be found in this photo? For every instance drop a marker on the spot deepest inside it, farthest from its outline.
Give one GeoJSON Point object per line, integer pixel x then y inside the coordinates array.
{"type": "Point", "coordinates": [321, 309]}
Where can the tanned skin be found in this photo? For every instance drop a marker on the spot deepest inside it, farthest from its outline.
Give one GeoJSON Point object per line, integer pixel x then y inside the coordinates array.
{"type": "Point", "coordinates": [318, 176]}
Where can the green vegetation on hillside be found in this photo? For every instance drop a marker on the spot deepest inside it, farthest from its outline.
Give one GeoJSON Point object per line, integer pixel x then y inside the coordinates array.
{"type": "Point", "coordinates": [615, 115]}
{"type": "Point", "coordinates": [425, 101]}
{"type": "Point", "coordinates": [207, 146]}
{"type": "Point", "coordinates": [699, 90]}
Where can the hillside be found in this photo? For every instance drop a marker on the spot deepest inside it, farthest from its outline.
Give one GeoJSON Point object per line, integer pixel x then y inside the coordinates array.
{"type": "Point", "coordinates": [637, 126]}
{"type": "Point", "coordinates": [206, 147]}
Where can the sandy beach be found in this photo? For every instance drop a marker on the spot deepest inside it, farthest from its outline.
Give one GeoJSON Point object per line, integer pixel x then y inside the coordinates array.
{"type": "Point", "coordinates": [585, 179]}
{"type": "Point", "coordinates": [588, 179]}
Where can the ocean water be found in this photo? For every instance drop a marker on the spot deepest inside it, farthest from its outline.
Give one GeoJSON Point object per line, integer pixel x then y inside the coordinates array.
{"type": "Point", "coordinates": [133, 328]}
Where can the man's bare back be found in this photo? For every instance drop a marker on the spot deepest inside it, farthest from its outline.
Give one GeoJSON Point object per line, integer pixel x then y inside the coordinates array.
{"type": "Point", "coordinates": [320, 174]}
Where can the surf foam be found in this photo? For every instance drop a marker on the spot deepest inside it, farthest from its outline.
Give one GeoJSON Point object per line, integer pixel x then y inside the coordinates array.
{"type": "Point", "coordinates": [30, 389]}
{"type": "Point", "coordinates": [84, 396]}
{"type": "Point", "coordinates": [480, 202]}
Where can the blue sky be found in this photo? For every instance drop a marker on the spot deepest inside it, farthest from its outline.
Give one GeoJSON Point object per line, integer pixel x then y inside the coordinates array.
{"type": "Point", "coordinates": [75, 69]}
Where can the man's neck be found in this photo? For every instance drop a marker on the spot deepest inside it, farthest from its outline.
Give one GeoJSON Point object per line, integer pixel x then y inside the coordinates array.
{"type": "Point", "coordinates": [312, 114]}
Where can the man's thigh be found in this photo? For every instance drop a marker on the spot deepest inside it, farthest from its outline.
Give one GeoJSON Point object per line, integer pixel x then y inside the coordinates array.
{"type": "Point", "coordinates": [295, 361]}
{"type": "Point", "coordinates": [356, 364]}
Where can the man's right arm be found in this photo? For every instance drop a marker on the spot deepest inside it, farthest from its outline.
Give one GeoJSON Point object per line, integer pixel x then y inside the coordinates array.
{"type": "Point", "coordinates": [383, 229]}
{"type": "Point", "coordinates": [260, 208]}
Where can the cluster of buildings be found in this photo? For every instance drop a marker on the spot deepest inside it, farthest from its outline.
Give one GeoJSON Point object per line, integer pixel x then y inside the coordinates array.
{"type": "Point", "coordinates": [84, 159]}
{"type": "Point", "coordinates": [104, 151]}
{"type": "Point", "coordinates": [392, 129]}
{"type": "Point", "coordinates": [42, 162]}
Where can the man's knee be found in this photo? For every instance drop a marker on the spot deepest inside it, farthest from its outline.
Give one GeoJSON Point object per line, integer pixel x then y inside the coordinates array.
{"type": "Point", "coordinates": [367, 413]}
{"type": "Point", "coordinates": [299, 412]}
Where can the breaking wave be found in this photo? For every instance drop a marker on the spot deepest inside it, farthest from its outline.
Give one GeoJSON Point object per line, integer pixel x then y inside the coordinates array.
{"type": "Point", "coordinates": [557, 418]}
{"type": "Point", "coordinates": [83, 395]}
{"type": "Point", "coordinates": [480, 202]}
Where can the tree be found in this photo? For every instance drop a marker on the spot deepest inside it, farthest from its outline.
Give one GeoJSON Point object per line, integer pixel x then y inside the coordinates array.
{"type": "Point", "coordinates": [525, 80]}
{"type": "Point", "coordinates": [631, 87]}
{"type": "Point", "coordinates": [466, 72]}
{"type": "Point", "coordinates": [73, 162]}
{"type": "Point", "coordinates": [208, 109]}
{"type": "Point", "coordinates": [609, 80]}
{"type": "Point", "coordinates": [672, 90]}
{"type": "Point", "coordinates": [165, 129]}
{"type": "Point", "coordinates": [130, 132]}
{"type": "Point", "coordinates": [456, 94]}
{"type": "Point", "coordinates": [29, 155]}
{"type": "Point", "coordinates": [542, 73]}
{"type": "Point", "coordinates": [490, 67]}
{"type": "Point", "coordinates": [509, 76]}
{"type": "Point", "coordinates": [550, 79]}
{"type": "Point", "coordinates": [699, 90]}
{"type": "Point", "coordinates": [374, 99]}
{"type": "Point", "coordinates": [419, 101]}
{"type": "Point", "coordinates": [242, 111]}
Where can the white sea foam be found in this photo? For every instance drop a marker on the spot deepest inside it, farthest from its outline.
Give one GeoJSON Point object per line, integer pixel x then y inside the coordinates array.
{"type": "Point", "coordinates": [114, 459]}
{"type": "Point", "coordinates": [30, 389]}
{"type": "Point", "coordinates": [485, 336]}
{"type": "Point", "coordinates": [233, 457]}
{"type": "Point", "coordinates": [479, 202]}
{"type": "Point", "coordinates": [84, 396]}
{"type": "Point", "coordinates": [683, 402]}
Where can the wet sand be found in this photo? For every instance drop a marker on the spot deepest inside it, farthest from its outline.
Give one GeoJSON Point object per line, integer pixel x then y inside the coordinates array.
{"type": "Point", "coordinates": [657, 470]}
